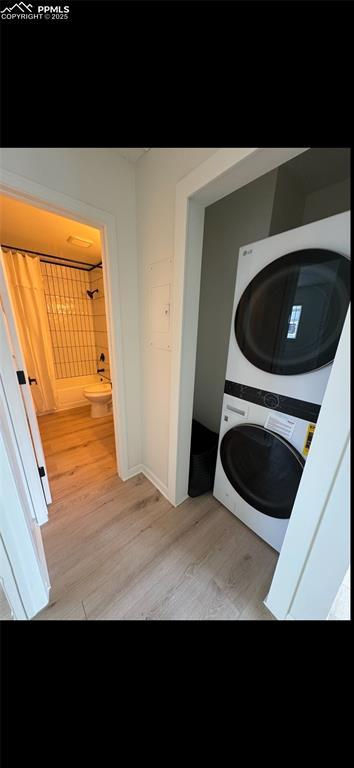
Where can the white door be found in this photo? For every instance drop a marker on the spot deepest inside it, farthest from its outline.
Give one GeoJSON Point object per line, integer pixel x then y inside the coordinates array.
{"type": "Point", "coordinates": [23, 569]}
{"type": "Point", "coordinates": [17, 424]}
{"type": "Point", "coordinates": [8, 586]}
{"type": "Point", "coordinates": [23, 380]}
{"type": "Point", "coordinates": [316, 551]}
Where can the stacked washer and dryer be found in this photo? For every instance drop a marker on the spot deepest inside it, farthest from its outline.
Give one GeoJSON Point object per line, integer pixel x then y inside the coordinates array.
{"type": "Point", "coordinates": [291, 297]}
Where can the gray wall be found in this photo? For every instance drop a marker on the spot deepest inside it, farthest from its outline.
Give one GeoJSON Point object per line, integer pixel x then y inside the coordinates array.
{"type": "Point", "coordinates": [238, 219]}
{"type": "Point", "coordinates": [289, 203]}
{"type": "Point", "coordinates": [327, 202]}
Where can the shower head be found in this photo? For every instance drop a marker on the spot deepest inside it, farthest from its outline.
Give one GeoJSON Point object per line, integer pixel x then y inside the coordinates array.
{"type": "Point", "coordinates": [90, 293]}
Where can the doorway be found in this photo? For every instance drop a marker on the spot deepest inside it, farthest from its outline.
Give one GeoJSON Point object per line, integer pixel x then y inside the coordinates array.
{"type": "Point", "coordinates": [54, 281]}
{"type": "Point", "coordinates": [219, 177]}
{"type": "Point", "coordinates": [234, 171]}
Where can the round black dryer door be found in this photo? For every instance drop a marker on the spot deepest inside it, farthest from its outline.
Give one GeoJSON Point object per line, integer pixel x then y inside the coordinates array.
{"type": "Point", "coordinates": [290, 317]}
{"type": "Point", "coordinates": [262, 467]}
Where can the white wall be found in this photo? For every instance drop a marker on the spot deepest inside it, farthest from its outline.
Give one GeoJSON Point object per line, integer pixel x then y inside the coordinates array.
{"type": "Point", "coordinates": [238, 219]}
{"type": "Point", "coordinates": [103, 179]}
{"type": "Point", "coordinates": [327, 201]}
{"type": "Point", "coordinates": [157, 174]}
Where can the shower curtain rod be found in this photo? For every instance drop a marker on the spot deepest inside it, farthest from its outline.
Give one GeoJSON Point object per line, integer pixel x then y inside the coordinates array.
{"type": "Point", "coordinates": [50, 256]}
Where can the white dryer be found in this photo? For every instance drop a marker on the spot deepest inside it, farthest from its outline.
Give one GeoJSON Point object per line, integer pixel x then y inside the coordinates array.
{"type": "Point", "coordinates": [291, 297]}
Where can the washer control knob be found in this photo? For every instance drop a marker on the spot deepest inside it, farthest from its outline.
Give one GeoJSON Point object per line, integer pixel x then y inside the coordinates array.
{"type": "Point", "coordinates": [271, 401]}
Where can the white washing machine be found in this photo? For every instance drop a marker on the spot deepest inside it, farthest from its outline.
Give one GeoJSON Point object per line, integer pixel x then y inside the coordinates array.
{"type": "Point", "coordinates": [291, 297]}
{"type": "Point", "coordinates": [261, 456]}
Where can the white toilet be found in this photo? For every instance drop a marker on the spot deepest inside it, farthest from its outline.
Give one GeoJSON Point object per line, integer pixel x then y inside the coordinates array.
{"type": "Point", "coordinates": [99, 395]}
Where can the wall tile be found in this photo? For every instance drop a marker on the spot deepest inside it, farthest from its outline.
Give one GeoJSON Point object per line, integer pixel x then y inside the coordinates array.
{"type": "Point", "coordinates": [71, 323]}
{"type": "Point", "coordinates": [100, 324]}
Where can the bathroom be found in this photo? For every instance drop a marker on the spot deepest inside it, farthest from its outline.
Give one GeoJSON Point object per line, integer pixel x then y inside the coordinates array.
{"type": "Point", "coordinates": [54, 274]}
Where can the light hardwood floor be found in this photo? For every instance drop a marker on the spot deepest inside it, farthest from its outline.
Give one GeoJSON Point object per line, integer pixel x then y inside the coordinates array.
{"type": "Point", "coordinates": [120, 550]}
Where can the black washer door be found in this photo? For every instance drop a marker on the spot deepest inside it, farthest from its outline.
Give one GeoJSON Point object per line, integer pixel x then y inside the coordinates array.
{"type": "Point", "coordinates": [290, 317]}
{"type": "Point", "coordinates": [262, 467]}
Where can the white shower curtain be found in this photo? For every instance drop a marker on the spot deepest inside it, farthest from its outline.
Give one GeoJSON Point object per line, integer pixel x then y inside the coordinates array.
{"type": "Point", "coordinates": [25, 279]}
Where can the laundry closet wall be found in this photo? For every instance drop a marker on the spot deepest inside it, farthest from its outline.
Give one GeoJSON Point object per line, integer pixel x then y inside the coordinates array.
{"type": "Point", "coordinates": [238, 219]}
{"type": "Point", "coordinates": [327, 201]}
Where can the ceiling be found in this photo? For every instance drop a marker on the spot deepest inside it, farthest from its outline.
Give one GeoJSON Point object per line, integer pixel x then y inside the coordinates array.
{"type": "Point", "coordinates": [24, 226]}
{"type": "Point", "coordinates": [132, 154]}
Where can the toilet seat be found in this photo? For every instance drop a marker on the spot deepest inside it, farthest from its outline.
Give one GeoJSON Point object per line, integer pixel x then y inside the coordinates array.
{"type": "Point", "coordinates": [97, 390]}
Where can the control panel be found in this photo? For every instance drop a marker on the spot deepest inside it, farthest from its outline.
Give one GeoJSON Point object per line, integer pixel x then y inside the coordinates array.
{"type": "Point", "coordinates": [276, 402]}
{"type": "Point", "coordinates": [270, 400]}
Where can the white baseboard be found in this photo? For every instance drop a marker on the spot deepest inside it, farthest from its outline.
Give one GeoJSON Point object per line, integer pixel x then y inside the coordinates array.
{"type": "Point", "coordinates": [141, 468]}
{"type": "Point", "coordinates": [155, 481]}
{"type": "Point", "coordinates": [132, 472]}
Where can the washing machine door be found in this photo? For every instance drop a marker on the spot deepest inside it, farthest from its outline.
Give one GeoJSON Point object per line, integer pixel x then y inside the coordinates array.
{"type": "Point", "coordinates": [290, 317]}
{"type": "Point", "coordinates": [264, 468]}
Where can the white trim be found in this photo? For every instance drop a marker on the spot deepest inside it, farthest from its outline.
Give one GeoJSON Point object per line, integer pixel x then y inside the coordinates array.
{"type": "Point", "coordinates": [133, 471]}
{"type": "Point", "coordinates": [156, 482]}
{"type": "Point", "coordinates": [43, 197]}
{"type": "Point", "coordinates": [21, 536]}
{"type": "Point", "coordinates": [319, 585]}
{"type": "Point", "coordinates": [304, 584]}
{"type": "Point", "coordinates": [223, 173]}
{"type": "Point", "coordinates": [9, 586]}
{"type": "Point", "coordinates": [143, 470]}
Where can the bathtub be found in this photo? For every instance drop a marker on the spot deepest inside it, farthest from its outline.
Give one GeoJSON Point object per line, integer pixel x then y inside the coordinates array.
{"type": "Point", "coordinates": [70, 391]}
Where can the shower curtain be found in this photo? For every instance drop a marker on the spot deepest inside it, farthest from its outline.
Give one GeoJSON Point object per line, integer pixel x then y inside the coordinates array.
{"type": "Point", "coordinates": [27, 294]}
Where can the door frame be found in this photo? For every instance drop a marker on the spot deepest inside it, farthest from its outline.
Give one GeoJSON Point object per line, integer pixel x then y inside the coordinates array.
{"type": "Point", "coordinates": [9, 586]}
{"type": "Point", "coordinates": [304, 586]}
{"type": "Point", "coordinates": [43, 197]}
{"type": "Point", "coordinates": [220, 175]}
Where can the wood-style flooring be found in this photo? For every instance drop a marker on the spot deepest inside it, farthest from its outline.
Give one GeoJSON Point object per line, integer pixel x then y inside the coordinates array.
{"type": "Point", "coordinates": [120, 550]}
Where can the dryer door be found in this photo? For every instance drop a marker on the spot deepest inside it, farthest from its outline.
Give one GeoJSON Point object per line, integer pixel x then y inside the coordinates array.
{"type": "Point", "coordinates": [290, 317]}
{"type": "Point", "coordinates": [262, 467]}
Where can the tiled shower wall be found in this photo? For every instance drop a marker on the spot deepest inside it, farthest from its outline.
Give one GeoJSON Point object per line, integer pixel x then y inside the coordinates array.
{"type": "Point", "coordinates": [99, 320]}
{"type": "Point", "coordinates": [70, 320]}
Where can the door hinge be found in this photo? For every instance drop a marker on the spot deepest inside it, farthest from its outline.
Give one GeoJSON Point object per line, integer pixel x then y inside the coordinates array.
{"type": "Point", "coordinates": [21, 377]}
{"type": "Point", "coordinates": [41, 471]}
